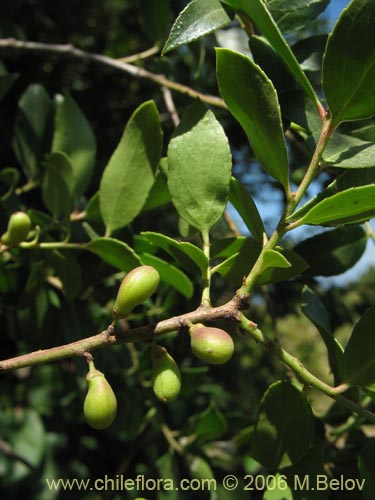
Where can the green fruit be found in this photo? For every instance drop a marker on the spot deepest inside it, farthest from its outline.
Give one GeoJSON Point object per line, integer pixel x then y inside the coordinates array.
{"type": "Point", "coordinates": [136, 287]}
{"type": "Point", "coordinates": [19, 226]}
{"type": "Point", "coordinates": [211, 344]}
{"type": "Point", "coordinates": [166, 377]}
{"type": "Point", "coordinates": [100, 404]}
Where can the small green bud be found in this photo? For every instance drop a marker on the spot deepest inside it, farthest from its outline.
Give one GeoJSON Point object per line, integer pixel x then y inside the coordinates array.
{"type": "Point", "coordinates": [100, 404]}
{"type": "Point", "coordinates": [166, 377]}
{"type": "Point", "coordinates": [137, 286]}
{"type": "Point", "coordinates": [19, 226]}
{"type": "Point", "coordinates": [211, 344]}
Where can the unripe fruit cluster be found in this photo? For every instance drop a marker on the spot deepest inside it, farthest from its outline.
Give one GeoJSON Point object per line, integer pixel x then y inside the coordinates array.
{"type": "Point", "coordinates": [210, 344]}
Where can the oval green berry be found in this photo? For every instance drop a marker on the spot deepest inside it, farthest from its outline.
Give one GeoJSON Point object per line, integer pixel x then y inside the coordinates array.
{"type": "Point", "coordinates": [19, 226]}
{"type": "Point", "coordinates": [166, 377]}
{"type": "Point", "coordinates": [137, 286]}
{"type": "Point", "coordinates": [211, 344]}
{"type": "Point", "coordinates": [100, 406]}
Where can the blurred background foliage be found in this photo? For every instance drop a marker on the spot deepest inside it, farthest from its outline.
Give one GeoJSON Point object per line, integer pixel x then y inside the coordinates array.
{"type": "Point", "coordinates": [42, 430]}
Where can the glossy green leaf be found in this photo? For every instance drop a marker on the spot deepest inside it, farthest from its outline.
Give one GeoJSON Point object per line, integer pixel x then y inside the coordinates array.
{"type": "Point", "coordinates": [333, 252]}
{"type": "Point", "coordinates": [252, 100]}
{"type": "Point", "coordinates": [92, 212]}
{"type": "Point", "coordinates": [281, 437]}
{"type": "Point", "coordinates": [353, 205]}
{"type": "Point", "coordinates": [278, 489]}
{"type": "Point", "coordinates": [74, 137]}
{"type": "Point", "coordinates": [58, 184]}
{"type": "Point", "coordinates": [33, 129]}
{"type": "Point", "coordinates": [115, 252]}
{"type": "Point", "coordinates": [6, 81]}
{"type": "Point", "coordinates": [238, 265]}
{"type": "Point", "coordinates": [273, 258]}
{"type": "Point", "coordinates": [227, 246]}
{"type": "Point", "coordinates": [313, 309]}
{"type": "Point", "coordinates": [346, 180]}
{"type": "Point", "coordinates": [271, 63]}
{"type": "Point", "coordinates": [199, 18]}
{"type": "Point", "coordinates": [349, 65]}
{"type": "Point", "coordinates": [292, 15]}
{"type": "Point", "coordinates": [211, 424]}
{"type": "Point", "coordinates": [201, 470]}
{"type": "Point", "coordinates": [297, 265]}
{"type": "Point", "coordinates": [366, 467]}
{"type": "Point", "coordinates": [257, 10]}
{"type": "Point", "coordinates": [344, 151]}
{"type": "Point", "coordinates": [199, 168]}
{"type": "Point", "coordinates": [168, 244]}
{"type": "Point", "coordinates": [170, 274]}
{"type": "Point", "coordinates": [129, 175]}
{"type": "Point", "coordinates": [68, 270]}
{"type": "Point", "coordinates": [245, 206]}
{"type": "Point", "coordinates": [359, 352]}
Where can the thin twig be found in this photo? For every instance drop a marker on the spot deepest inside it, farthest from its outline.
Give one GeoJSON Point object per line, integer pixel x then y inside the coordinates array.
{"type": "Point", "coordinates": [169, 103]}
{"type": "Point", "coordinates": [141, 55]}
{"type": "Point", "coordinates": [69, 51]}
{"type": "Point", "coordinates": [110, 337]}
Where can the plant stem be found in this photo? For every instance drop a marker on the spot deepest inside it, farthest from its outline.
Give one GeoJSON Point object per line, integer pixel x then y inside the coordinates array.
{"type": "Point", "coordinates": [303, 373]}
{"type": "Point", "coordinates": [206, 275]}
{"type": "Point", "coordinates": [11, 44]}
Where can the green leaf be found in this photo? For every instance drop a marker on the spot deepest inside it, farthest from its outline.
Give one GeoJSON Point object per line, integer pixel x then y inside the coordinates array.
{"type": "Point", "coordinates": [239, 264]}
{"type": "Point", "coordinates": [199, 168]}
{"type": "Point", "coordinates": [168, 470]}
{"type": "Point", "coordinates": [292, 15]}
{"type": "Point", "coordinates": [32, 131]}
{"type": "Point", "coordinates": [273, 258]}
{"type": "Point", "coordinates": [349, 65]}
{"type": "Point", "coordinates": [92, 212]}
{"type": "Point", "coordinates": [170, 274]}
{"type": "Point", "coordinates": [346, 180]}
{"type": "Point", "coordinates": [58, 182]}
{"type": "Point", "coordinates": [227, 246]}
{"type": "Point", "coordinates": [275, 274]}
{"type": "Point", "coordinates": [353, 205]}
{"type": "Point", "coordinates": [159, 194]}
{"type": "Point", "coordinates": [8, 177]}
{"type": "Point", "coordinates": [252, 100]}
{"type": "Point", "coordinates": [333, 252]}
{"type": "Point", "coordinates": [211, 424]}
{"type": "Point", "coordinates": [168, 244]}
{"type": "Point", "coordinates": [344, 151]}
{"type": "Point", "coordinates": [285, 427]}
{"type": "Point", "coordinates": [359, 352]}
{"type": "Point", "coordinates": [68, 270]}
{"type": "Point", "coordinates": [366, 466]}
{"type": "Point", "coordinates": [258, 12]}
{"type": "Point", "coordinates": [115, 252]}
{"type": "Point", "coordinates": [245, 206]}
{"type": "Point", "coordinates": [313, 309]}
{"type": "Point", "coordinates": [6, 81]}
{"type": "Point", "coordinates": [265, 56]}
{"type": "Point", "coordinates": [129, 175]}
{"type": "Point", "coordinates": [74, 137]}
{"type": "Point", "coordinates": [199, 18]}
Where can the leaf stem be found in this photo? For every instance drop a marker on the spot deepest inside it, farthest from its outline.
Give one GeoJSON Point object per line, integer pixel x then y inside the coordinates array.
{"type": "Point", "coordinates": [302, 372]}
{"type": "Point", "coordinates": [206, 274]}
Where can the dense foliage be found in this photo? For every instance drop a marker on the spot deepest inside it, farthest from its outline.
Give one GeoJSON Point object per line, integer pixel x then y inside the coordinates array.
{"type": "Point", "coordinates": [186, 141]}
